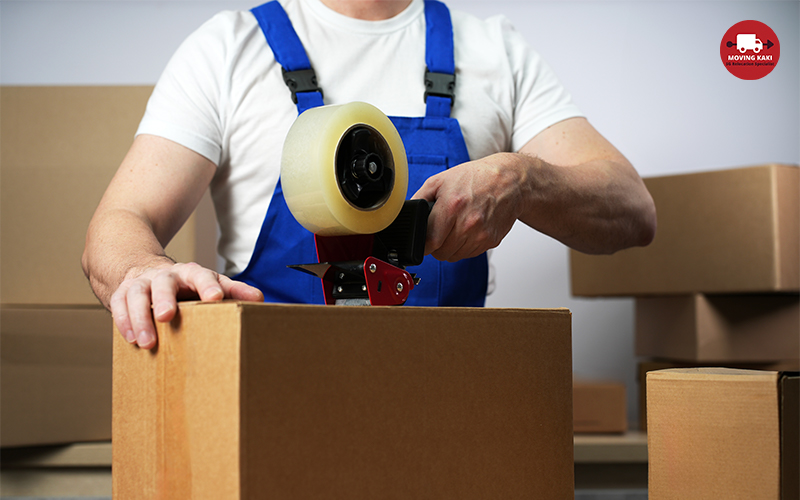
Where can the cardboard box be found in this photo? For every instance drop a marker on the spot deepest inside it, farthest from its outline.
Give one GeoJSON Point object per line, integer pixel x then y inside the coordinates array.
{"type": "Point", "coordinates": [55, 375]}
{"type": "Point", "coordinates": [598, 407]}
{"type": "Point", "coordinates": [245, 400]}
{"type": "Point", "coordinates": [663, 364]}
{"type": "Point", "coordinates": [716, 433]}
{"type": "Point", "coordinates": [59, 149]}
{"type": "Point", "coordinates": [719, 328]}
{"type": "Point", "coordinates": [727, 231]}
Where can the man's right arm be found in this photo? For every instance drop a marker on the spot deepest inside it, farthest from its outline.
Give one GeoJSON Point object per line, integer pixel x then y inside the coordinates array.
{"type": "Point", "coordinates": [151, 196]}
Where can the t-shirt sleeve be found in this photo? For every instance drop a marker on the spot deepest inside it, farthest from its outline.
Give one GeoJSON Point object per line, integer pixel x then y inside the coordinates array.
{"type": "Point", "coordinates": [186, 103]}
{"type": "Point", "coordinates": [540, 99]}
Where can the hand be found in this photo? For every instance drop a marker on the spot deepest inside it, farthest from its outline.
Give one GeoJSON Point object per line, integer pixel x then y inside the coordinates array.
{"type": "Point", "coordinates": [162, 287]}
{"type": "Point", "coordinates": [477, 203]}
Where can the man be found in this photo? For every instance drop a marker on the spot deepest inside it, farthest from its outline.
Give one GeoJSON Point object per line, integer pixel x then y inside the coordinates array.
{"type": "Point", "coordinates": [509, 145]}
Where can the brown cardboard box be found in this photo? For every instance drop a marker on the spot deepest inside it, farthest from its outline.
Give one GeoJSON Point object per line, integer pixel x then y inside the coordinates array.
{"type": "Point", "coordinates": [59, 148]}
{"type": "Point", "coordinates": [716, 433]}
{"type": "Point", "coordinates": [245, 400]}
{"type": "Point", "coordinates": [55, 375]}
{"type": "Point", "coordinates": [719, 328]}
{"type": "Point", "coordinates": [718, 232]}
{"type": "Point", "coordinates": [663, 364]}
{"type": "Point", "coordinates": [598, 407]}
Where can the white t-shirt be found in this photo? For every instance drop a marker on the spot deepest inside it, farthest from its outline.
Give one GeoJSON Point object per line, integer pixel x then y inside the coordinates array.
{"type": "Point", "coordinates": [222, 95]}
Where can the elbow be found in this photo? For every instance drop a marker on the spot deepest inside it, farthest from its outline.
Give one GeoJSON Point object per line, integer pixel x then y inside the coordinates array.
{"type": "Point", "coordinates": [86, 257]}
{"type": "Point", "coordinates": [645, 223]}
{"type": "Point", "coordinates": [647, 232]}
{"type": "Point", "coordinates": [87, 271]}
{"type": "Point", "coordinates": [85, 263]}
{"type": "Point", "coordinates": [637, 230]}
{"type": "Point", "coordinates": [94, 284]}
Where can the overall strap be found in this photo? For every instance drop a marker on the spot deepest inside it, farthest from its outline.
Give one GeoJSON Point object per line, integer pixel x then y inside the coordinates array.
{"type": "Point", "coordinates": [298, 74]}
{"type": "Point", "coordinates": [440, 78]}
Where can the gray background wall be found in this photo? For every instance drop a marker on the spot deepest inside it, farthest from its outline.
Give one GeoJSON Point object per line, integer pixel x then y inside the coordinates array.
{"type": "Point", "coordinates": [646, 73]}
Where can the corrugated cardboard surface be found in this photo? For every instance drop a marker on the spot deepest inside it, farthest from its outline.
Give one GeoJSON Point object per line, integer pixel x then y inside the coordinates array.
{"type": "Point", "coordinates": [599, 407]}
{"type": "Point", "coordinates": [263, 400]}
{"type": "Point", "coordinates": [719, 328]}
{"type": "Point", "coordinates": [713, 433]}
{"type": "Point", "coordinates": [55, 375]}
{"type": "Point", "coordinates": [59, 148]}
{"type": "Point", "coordinates": [663, 364]}
{"type": "Point", "coordinates": [718, 232]}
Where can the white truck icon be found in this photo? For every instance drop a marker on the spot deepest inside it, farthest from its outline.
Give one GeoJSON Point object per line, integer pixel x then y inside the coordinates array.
{"type": "Point", "coordinates": [745, 42]}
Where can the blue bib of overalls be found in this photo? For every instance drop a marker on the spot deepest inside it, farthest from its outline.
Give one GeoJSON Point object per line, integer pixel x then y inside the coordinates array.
{"type": "Point", "coordinates": [433, 143]}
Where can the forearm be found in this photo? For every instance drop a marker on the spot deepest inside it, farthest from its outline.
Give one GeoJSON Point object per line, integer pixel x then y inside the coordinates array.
{"type": "Point", "coordinates": [595, 203]}
{"type": "Point", "coordinates": [152, 195]}
{"type": "Point", "coordinates": [119, 245]}
{"type": "Point", "coordinates": [600, 206]}
{"type": "Point", "coordinates": [131, 275]}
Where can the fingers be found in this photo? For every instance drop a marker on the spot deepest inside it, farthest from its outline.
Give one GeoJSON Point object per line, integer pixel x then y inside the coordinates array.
{"type": "Point", "coordinates": [119, 311]}
{"type": "Point", "coordinates": [472, 211]}
{"type": "Point", "coordinates": [240, 291]}
{"type": "Point", "coordinates": [461, 243]}
{"type": "Point", "coordinates": [164, 292]}
{"type": "Point", "coordinates": [457, 229]}
{"type": "Point", "coordinates": [130, 307]}
{"type": "Point", "coordinates": [440, 229]}
{"type": "Point", "coordinates": [440, 240]}
{"type": "Point", "coordinates": [141, 318]}
{"type": "Point", "coordinates": [427, 191]}
{"type": "Point", "coordinates": [453, 251]}
{"type": "Point", "coordinates": [154, 295]}
{"type": "Point", "coordinates": [196, 281]}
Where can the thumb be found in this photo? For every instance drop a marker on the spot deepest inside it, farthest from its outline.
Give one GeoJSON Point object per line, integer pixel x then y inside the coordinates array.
{"type": "Point", "coordinates": [238, 290]}
{"type": "Point", "coordinates": [243, 291]}
{"type": "Point", "coordinates": [428, 191]}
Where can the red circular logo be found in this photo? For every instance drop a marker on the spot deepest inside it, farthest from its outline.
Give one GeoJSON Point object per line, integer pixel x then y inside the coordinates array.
{"type": "Point", "coordinates": [750, 50]}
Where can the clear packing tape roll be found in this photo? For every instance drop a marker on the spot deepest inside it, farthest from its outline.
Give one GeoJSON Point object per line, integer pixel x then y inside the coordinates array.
{"type": "Point", "coordinates": [344, 170]}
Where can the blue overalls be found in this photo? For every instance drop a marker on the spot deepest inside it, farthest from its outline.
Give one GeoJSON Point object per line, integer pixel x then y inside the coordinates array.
{"type": "Point", "coordinates": [433, 143]}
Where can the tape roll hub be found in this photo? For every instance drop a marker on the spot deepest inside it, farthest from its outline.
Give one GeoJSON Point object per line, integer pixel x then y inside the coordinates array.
{"type": "Point", "coordinates": [344, 170]}
{"type": "Point", "coordinates": [364, 168]}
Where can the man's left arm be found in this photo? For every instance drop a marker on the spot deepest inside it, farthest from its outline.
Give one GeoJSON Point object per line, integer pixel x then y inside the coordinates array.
{"type": "Point", "coordinates": [568, 182]}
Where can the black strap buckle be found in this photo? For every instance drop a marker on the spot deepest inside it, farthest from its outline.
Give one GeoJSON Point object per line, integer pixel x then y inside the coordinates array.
{"type": "Point", "coordinates": [302, 80]}
{"type": "Point", "coordinates": [440, 85]}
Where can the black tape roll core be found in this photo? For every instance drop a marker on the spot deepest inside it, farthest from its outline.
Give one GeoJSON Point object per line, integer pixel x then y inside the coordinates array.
{"type": "Point", "coordinates": [364, 168]}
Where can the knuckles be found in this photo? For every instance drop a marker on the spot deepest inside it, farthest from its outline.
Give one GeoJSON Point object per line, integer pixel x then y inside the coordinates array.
{"type": "Point", "coordinates": [139, 286]}
{"type": "Point", "coordinates": [475, 224]}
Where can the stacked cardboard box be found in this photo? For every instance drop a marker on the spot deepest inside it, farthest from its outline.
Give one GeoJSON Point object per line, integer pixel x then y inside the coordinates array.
{"type": "Point", "coordinates": [59, 148]}
{"type": "Point", "coordinates": [747, 331]}
{"type": "Point", "coordinates": [720, 284]}
{"type": "Point", "coordinates": [722, 232]}
{"type": "Point", "coordinates": [599, 407]}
